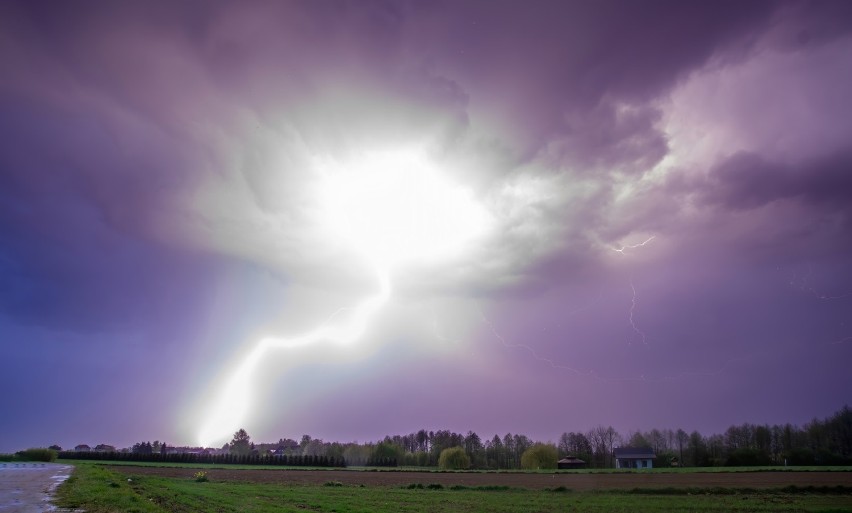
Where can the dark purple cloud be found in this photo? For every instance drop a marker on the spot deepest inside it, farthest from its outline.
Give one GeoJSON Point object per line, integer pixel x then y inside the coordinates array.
{"type": "Point", "coordinates": [747, 181]}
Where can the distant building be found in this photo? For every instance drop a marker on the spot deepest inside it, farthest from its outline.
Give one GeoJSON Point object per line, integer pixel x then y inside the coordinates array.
{"type": "Point", "coordinates": [82, 448]}
{"type": "Point", "coordinates": [571, 462]}
{"type": "Point", "coordinates": [634, 457]}
{"type": "Point", "coordinates": [104, 448]}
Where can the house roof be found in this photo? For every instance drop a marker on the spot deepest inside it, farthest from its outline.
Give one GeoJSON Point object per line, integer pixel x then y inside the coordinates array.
{"type": "Point", "coordinates": [634, 453]}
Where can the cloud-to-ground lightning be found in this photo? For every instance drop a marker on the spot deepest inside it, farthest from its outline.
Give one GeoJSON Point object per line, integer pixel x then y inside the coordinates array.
{"type": "Point", "coordinates": [388, 207]}
{"type": "Point", "coordinates": [235, 399]}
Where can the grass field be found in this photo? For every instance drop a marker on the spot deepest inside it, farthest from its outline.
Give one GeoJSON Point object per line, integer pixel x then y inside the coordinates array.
{"type": "Point", "coordinates": [683, 470]}
{"type": "Point", "coordinates": [98, 488]}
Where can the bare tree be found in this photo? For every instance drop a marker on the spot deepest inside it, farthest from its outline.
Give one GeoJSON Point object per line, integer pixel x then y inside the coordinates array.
{"type": "Point", "coordinates": [657, 440]}
{"type": "Point", "coordinates": [682, 440]}
{"type": "Point", "coordinates": [611, 438]}
{"type": "Point", "coordinates": [597, 438]}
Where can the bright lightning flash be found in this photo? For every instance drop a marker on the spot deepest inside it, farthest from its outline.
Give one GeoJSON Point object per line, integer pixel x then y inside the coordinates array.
{"type": "Point", "coordinates": [392, 208]}
{"type": "Point", "coordinates": [395, 208]}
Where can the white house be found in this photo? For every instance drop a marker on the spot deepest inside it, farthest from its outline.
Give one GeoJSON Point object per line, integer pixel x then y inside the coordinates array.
{"type": "Point", "coordinates": [634, 457]}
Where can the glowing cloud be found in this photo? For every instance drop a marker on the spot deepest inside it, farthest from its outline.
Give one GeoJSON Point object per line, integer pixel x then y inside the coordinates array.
{"type": "Point", "coordinates": [396, 207]}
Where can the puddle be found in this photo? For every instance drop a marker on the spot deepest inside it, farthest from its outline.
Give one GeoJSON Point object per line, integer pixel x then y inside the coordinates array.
{"type": "Point", "coordinates": [29, 487]}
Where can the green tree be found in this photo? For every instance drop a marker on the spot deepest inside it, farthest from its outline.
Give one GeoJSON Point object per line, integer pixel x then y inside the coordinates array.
{"type": "Point", "coordinates": [241, 443]}
{"type": "Point", "coordinates": [387, 451]}
{"type": "Point", "coordinates": [453, 458]}
{"type": "Point", "coordinates": [697, 450]}
{"type": "Point", "coordinates": [474, 448]}
{"type": "Point", "coordinates": [540, 456]}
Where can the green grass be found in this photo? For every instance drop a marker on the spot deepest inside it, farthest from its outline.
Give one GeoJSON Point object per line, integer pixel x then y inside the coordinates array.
{"type": "Point", "coordinates": [94, 488]}
{"type": "Point", "coordinates": [98, 489]}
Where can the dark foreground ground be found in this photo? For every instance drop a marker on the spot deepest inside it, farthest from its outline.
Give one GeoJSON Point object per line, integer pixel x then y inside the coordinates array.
{"type": "Point", "coordinates": [578, 481]}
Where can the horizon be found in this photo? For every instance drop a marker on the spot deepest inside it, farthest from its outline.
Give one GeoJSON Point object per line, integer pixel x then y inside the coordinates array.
{"type": "Point", "coordinates": [359, 219]}
{"type": "Point", "coordinates": [621, 439]}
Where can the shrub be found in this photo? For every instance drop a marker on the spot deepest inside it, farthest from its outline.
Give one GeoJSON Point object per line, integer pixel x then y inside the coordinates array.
{"type": "Point", "coordinates": [332, 483]}
{"type": "Point", "coordinates": [37, 454]}
{"type": "Point", "coordinates": [539, 456]}
{"type": "Point", "coordinates": [453, 458]}
{"type": "Point", "coordinates": [200, 477]}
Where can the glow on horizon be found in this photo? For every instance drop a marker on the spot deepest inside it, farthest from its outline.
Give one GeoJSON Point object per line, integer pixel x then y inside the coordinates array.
{"type": "Point", "coordinates": [391, 207]}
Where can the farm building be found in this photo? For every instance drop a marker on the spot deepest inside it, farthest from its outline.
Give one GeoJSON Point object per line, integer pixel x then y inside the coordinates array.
{"type": "Point", "coordinates": [634, 457]}
{"type": "Point", "coordinates": [82, 448]}
{"type": "Point", "coordinates": [571, 462]}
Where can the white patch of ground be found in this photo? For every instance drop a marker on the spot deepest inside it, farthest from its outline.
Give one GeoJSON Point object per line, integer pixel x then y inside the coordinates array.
{"type": "Point", "coordinates": [29, 487]}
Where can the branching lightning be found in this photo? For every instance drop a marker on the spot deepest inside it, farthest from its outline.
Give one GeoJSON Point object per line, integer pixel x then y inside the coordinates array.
{"type": "Point", "coordinates": [530, 350]}
{"type": "Point", "coordinates": [634, 299]}
{"type": "Point", "coordinates": [633, 324]}
{"type": "Point", "coordinates": [622, 249]}
{"type": "Point", "coordinates": [804, 285]}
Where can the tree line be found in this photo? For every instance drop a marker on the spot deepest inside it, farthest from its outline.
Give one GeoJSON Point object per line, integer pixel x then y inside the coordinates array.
{"type": "Point", "coordinates": [819, 442]}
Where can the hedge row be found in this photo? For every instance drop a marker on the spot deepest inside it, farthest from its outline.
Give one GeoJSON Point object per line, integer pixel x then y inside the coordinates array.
{"type": "Point", "coordinates": [225, 459]}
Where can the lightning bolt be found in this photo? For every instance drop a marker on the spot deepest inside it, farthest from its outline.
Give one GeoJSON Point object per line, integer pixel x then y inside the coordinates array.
{"type": "Point", "coordinates": [392, 207]}
{"type": "Point", "coordinates": [634, 299]}
{"type": "Point", "coordinates": [530, 350]}
{"type": "Point", "coordinates": [805, 285]}
{"type": "Point", "coordinates": [622, 249]}
{"type": "Point", "coordinates": [631, 319]}
{"type": "Point", "coordinates": [235, 399]}
{"type": "Point", "coordinates": [633, 302]}
{"type": "Point", "coordinates": [597, 376]}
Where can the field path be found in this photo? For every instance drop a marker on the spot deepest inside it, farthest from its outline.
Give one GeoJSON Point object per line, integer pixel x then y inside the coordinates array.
{"type": "Point", "coordinates": [573, 481]}
{"type": "Point", "coordinates": [27, 487]}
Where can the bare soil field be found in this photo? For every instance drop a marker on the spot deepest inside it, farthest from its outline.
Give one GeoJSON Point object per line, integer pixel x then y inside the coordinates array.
{"type": "Point", "coordinates": [579, 481]}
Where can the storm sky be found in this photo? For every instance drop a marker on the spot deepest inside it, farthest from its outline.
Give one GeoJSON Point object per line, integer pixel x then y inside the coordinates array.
{"type": "Point", "coordinates": [668, 187]}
